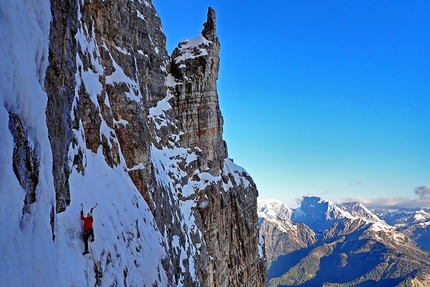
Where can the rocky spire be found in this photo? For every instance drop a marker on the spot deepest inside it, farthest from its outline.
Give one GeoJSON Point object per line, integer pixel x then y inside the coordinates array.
{"type": "Point", "coordinates": [209, 30]}
{"type": "Point", "coordinates": [228, 209]}
{"type": "Point", "coordinates": [195, 66]}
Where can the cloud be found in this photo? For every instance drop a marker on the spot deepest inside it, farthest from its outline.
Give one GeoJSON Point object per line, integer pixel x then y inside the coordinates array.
{"type": "Point", "coordinates": [423, 191]}
{"type": "Point", "coordinates": [395, 202]}
{"type": "Point", "coordinates": [328, 191]}
{"type": "Point", "coordinates": [298, 200]}
{"type": "Point", "coordinates": [355, 183]}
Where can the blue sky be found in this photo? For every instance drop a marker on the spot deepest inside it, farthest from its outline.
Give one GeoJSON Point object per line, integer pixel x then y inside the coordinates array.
{"type": "Point", "coordinates": [327, 98]}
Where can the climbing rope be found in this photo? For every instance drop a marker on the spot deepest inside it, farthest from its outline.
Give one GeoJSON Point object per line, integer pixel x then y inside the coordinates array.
{"type": "Point", "coordinates": [87, 273]}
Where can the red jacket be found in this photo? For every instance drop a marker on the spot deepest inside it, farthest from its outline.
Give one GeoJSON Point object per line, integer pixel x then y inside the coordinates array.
{"type": "Point", "coordinates": [88, 222]}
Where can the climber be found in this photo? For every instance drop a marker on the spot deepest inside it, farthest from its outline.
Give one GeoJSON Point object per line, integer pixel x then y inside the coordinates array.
{"type": "Point", "coordinates": [88, 227]}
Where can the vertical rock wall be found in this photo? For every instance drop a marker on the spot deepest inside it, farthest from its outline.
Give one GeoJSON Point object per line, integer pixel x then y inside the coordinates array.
{"type": "Point", "coordinates": [59, 86]}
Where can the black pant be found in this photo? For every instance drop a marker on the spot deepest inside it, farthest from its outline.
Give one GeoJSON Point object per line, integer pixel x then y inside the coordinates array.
{"type": "Point", "coordinates": [87, 234]}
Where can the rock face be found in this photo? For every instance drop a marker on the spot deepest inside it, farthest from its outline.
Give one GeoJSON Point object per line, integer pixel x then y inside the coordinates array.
{"type": "Point", "coordinates": [113, 89]}
{"type": "Point", "coordinates": [59, 86]}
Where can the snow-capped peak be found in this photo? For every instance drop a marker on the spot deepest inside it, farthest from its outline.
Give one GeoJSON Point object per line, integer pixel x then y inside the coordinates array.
{"type": "Point", "coordinates": [357, 209]}
{"type": "Point", "coordinates": [317, 207]}
{"type": "Point", "coordinates": [274, 208]}
{"type": "Point", "coordinates": [420, 216]}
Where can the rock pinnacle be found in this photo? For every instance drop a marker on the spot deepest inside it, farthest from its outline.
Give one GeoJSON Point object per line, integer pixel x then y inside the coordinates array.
{"type": "Point", "coordinates": [209, 30]}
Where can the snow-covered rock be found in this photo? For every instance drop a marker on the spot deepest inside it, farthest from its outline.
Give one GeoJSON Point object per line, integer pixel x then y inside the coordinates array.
{"type": "Point", "coordinates": [359, 210]}
{"type": "Point", "coordinates": [413, 223]}
{"type": "Point", "coordinates": [91, 113]}
{"type": "Point", "coordinates": [274, 208]}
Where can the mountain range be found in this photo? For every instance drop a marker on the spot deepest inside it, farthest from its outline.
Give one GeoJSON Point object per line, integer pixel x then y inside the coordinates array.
{"type": "Point", "coordinates": [322, 243]}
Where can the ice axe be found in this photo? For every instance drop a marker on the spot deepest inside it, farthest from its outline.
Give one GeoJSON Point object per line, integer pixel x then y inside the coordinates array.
{"type": "Point", "coordinates": [94, 207]}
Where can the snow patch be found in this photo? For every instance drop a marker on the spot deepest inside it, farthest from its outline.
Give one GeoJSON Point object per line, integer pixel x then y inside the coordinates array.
{"type": "Point", "coordinates": [122, 50]}
{"type": "Point", "coordinates": [119, 76]}
{"type": "Point", "coordinates": [140, 16]}
{"type": "Point", "coordinates": [236, 171]}
{"type": "Point", "coordinates": [158, 113]}
{"type": "Point", "coordinates": [193, 48]}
